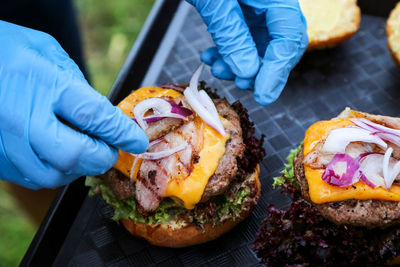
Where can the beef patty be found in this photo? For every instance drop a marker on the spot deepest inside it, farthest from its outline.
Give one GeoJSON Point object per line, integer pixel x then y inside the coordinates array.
{"type": "Point", "coordinates": [370, 213]}
{"type": "Point", "coordinates": [124, 188]}
{"type": "Point", "coordinates": [234, 148]}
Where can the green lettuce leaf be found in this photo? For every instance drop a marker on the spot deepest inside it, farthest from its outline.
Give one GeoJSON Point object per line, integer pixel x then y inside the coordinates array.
{"type": "Point", "coordinates": [287, 174]}
{"type": "Point", "coordinates": [127, 208]}
{"type": "Point", "coordinates": [228, 206]}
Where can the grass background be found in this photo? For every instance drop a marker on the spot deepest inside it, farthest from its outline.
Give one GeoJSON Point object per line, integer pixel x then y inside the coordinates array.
{"type": "Point", "coordinates": [109, 29]}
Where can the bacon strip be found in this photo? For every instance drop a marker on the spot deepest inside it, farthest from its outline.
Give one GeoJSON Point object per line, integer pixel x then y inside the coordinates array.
{"type": "Point", "coordinates": [318, 159]}
{"type": "Point", "coordinates": [154, 175]}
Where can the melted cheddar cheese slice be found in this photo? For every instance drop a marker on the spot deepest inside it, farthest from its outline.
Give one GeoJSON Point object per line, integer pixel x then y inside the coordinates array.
{"type": "Point", "coordinates": [187, 190]}
{"type": "Point", "coordinates": [321, 192]}
{"type": "Point", "coordinates": [190, 189]}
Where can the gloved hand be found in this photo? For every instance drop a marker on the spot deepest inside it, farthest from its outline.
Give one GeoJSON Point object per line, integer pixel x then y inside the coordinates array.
{"type": "Point", "coordinates": [244, 31]}
{"type": "Point", "coordinates": [42, 89]}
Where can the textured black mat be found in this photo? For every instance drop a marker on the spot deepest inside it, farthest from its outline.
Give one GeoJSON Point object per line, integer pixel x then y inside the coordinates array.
{"type": "Point", "coordinates": [359, 74]}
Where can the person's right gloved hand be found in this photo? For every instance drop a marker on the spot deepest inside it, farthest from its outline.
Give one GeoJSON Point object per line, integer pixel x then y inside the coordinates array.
{"type": "Point", "coordinates": [258, 42]}
{"type": "Point", "coordinates": [42, 89]}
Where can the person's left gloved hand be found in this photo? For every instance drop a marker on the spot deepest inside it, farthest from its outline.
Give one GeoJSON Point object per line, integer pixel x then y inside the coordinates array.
{"type": "Point", "coordinates": [244, 31]}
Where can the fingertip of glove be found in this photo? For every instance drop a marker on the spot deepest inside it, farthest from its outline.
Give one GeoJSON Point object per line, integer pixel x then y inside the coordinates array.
{"type": "Point", "coordinates": [221, 70]}
{"type": "Point", "coordinates": [29, 184]}
{"type": "Point", "coordinates": [140, 141]}
{"type": "Point", "coordinates": [244, 84]}
{"type": "Point", "coordinates": [264, 96]}
{"type": "Point", "coordinates": [210, 55]}
{"type": "Point", "coordinates": [244, 64]}
{"type": "Point", "coordinates": [264, 100]}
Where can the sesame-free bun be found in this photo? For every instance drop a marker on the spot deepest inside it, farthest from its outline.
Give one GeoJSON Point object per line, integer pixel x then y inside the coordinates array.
{"type": "Point", "coordinates": [174, 235]}
{"type": "Point", "coordinates": [393, 33]}
{"type": "Point", "coordinates": [330, 22]}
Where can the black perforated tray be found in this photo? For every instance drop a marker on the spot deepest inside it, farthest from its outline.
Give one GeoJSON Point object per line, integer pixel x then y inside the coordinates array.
{"type": "Point", "coordinates": [360, 74]}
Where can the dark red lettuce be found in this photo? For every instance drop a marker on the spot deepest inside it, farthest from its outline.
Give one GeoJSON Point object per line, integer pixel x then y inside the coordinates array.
{"type": "Point", "coordinates": [300, 236]}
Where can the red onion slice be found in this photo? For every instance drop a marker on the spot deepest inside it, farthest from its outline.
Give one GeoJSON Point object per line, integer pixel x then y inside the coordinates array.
{"type": "Point", "coordinates": [202, 104]}
{"type": "Point", "coordinates": [371, 126]}
{"type": "Point", "coordinates": [390, 167]}
{"type": "Point", "coordinates": [151, 118]}
{"type": "Point", "coordinates": [158, 105]}
{"type": "Point", "coordinates": [155, 118]}
{"type": "Point", "coordinates": [366, 181]}
{"type": "Point", "coordinates": [161, 109]}
{"type": "Point", "coordinates": [373, 165]}
{"type": "Point", "coordinates": [383, 132]}
{"type": "Point", "coordinates": [155, 155]}
{"type": "Point", "coordinates": [342, 171]}
{"type": "Point", "coordinates": [161, 154]}
{"type": "Point", "coordinates": [339, 139]}
{"type": "Point", "coordinates": [371, 168]}
{"type": "Point", "coordinates": [360, 123]}
{"type": "Point", "coordinates": [392, 138]}
{"type": "Point", "coordinates": [176, 87]}
{"type": "Point", "coordinates": [180, 109]}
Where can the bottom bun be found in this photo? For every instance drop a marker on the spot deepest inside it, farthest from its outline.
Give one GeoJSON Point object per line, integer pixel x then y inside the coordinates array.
{"type": "Point", "coordinates": [175, 237]}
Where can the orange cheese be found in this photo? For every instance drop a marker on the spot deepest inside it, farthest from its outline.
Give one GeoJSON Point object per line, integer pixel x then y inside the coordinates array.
{"type": "Point", "coordinates": [321, 192]}
{"type": "Point", "coordinates": [141, 94]}
{"type": "Point", "coordinates": [320, 130]}
{"type": "Point", "coordinates": [190, 189]}
{"type": "Point", "coordinates": [184, 189]}
{"type": "Point", "coordinates": [125, 160]}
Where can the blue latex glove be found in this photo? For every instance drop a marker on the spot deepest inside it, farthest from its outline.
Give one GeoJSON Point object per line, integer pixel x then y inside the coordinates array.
{"type": "Point", "coordinates": [41, 88]}
{"type": "Point", "coordinates": [246, 30]}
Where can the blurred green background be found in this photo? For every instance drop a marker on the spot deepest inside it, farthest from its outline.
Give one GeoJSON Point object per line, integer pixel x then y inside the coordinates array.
{"type": "Point", "coordinates": [109, 29]}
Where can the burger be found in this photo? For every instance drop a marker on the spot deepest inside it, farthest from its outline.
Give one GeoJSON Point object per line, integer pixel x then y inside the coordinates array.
{"type": "Point", "coordinates": [199, 176]}
{"type": "Point", "coordinates": [344, 183]}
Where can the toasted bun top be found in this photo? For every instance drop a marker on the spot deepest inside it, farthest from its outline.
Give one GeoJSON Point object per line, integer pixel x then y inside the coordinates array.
{"type": "Point", "coordinates": [393, 33]}
{"type": "Point", "coordinates": [330, 22]}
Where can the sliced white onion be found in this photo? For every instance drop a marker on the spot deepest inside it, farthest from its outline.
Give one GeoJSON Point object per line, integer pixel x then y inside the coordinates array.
{"type": "Point", "coordinates": [207, 102]}
{"type": "Point", "coordinates": [385, 167]}
{"type": "Point", "coordinates": [391, 168]}
{"type": "Point", "coordinates": [338, 139]}
{"type": "Point", "coordinates": [161, 154]}
{"type": "Point", "coordinates": [133, 167]}
{"type": "Point", "coordinates": [202, 104]}
{"type": "Point", "coordinates": [152, 143]}
{"type": "Point", "coordinates": [195, 78]}
{"type": "Point", "coordinates": [394, 172]}
{"type": "Point", "coordinates": [158, 105]}
{"type": "Point", "coordinates": [371, 168]}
